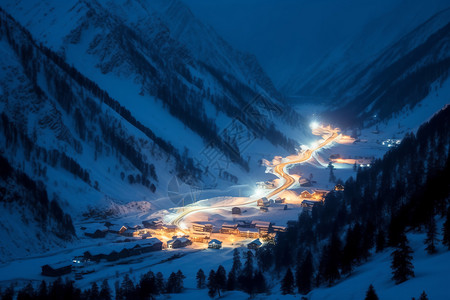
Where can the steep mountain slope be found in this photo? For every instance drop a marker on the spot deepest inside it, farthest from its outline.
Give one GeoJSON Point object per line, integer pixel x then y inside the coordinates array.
{"type": "Point", "coordinates": [59, 128]}
{"type": "Point", "coordinates": [295, 40]}
{"type": "Point", "coordinates": [401, 76]}
{"type": "Point", "coordinates": [107, 107]}
{"type": "Point", "coordinates": [165, 67]}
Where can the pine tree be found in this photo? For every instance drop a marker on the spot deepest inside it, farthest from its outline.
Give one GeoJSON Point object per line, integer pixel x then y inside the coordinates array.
{"type": "Point", "coordinates": [402, 268]}
{"type": "Point", "coordinates": [127, 289]}
{"type": "Point", "coordinates": [105, 292]}
{"type": "Point", "coordinates": [245, 280]}
{"type": "Point", "coordinates": [221, 279]}
{"type": "Point", "coordinates": [304, 274]}
{"type": "Point", "coordinates": [160, 286]}
{"type": "Point", "coordinates": [260, 282]}
{"type": "Point", "coordinates": [446, 230]}
{"type": "Point", "coordinates": [423, 296]}
{"type": "Point", "coordinates": [431, 239]}
{"type": "Point", "coordinates": [42, 293]}
{"type": "Point", "coordinates": [212, 286]}
{"type": "Point", "coordinates": [231, 281]}
{"type": "Point", "coordinates": [172, 283]}
{"type": "Point", "coordinates": [287, 284]}
{"type": "Point", "coordinates": [332, 176]}
{"type": "Point", "coordinates": [370, 294]}
{"type": "Point", "coordinates": [180, 281]}
{"type": "Point", "coordinates": [201, 279]}
{"type": "Point", "coordinates": [8, 293]}
{"type": "Point", "coordinates": [27, 293]}
{"type": "Point", "coordinates": [94, 291]}
{"type": "Point", "coordinates": [236, 268]}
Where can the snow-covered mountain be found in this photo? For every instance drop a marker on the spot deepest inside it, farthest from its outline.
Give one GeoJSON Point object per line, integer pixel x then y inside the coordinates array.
{"type": "Point", "coordinates": [104, 103]}
{"type": "Point", "coordinates": [164, 66]}
{"type": "Point", "coordinates": [294, 39]}
{"type": "Point", "coordinates": [397, 79]}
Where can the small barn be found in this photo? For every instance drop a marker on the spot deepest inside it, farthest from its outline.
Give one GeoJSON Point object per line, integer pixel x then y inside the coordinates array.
{"type": "Point", "coordinates": [254, 244]}
{"type": "Point", "coordinates": [236, 211]}
{"type": "Point", "coordinates": [96, 234]}
{"type": "Point", "coordinates": [280, 200]}
{"type": "Point", "coordinates": [56, 270]}
{"type": "Point", "coordinates": [215, 244]}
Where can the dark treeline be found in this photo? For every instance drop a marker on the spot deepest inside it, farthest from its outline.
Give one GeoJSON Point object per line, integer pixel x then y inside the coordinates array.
{"type": "Point", "coordinates": [15, 138]}
{"type": "Point", "coordinates": [245, 277]}
{"type": "Point", "coordinates": [406, 190]}
{"type": "Point", "coordinates": [248, 113]}
{"type": "Point", "coordinates": [147, 287]}
{"type": "Point", "coordinates": [17, 188]}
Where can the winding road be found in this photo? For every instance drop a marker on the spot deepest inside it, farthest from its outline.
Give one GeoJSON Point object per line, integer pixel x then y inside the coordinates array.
{"type": "Point", "coordinates": [279, 169]}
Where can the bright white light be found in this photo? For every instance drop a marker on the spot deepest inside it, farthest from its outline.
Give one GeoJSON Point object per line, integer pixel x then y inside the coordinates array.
{"type": "Point", "coordinates": [314, 124]}
{"type": "Point", "coordinates": [258, 192]}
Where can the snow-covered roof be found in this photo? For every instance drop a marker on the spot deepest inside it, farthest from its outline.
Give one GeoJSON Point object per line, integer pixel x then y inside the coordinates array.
{"type": "Point", "coordinates": [243, 229]}
{"type": "Point", "coordinates": [260, 223]}
{"type": "Point", "coordinates": [181, 239]}
{"type": "Point", "coordinates": [214, 241]}
{"type": "Point", "coordinates": [257, 242]}
{"type": "Point", "coordinates": [321, 191]}
{"type": "Point", "coordinates": [229, 225]}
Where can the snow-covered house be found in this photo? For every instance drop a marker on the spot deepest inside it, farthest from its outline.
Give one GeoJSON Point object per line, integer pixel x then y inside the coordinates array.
{"type": "Point", "coordinates": [229, 228]}
{"type": "Point", "coordinates": [248, 232]}
{"type": "Point", "coordinates": [263, 202]}
{"type": "Point", "coordinates": [320, 194]}
{"type": "Point", "coordinates": [254, 244]}
{"type": "Point", "coordinates": [305, 194]}
{"type": "Point", "coordinates": [215, 244]}
{"type": "Point", "coordinates": [178, 243]}
{"type": "Point", "coordinates": [200, 227]}
{"type": "Point", "coordinates": [309, 204]}
{"type": "Point", "coordinates": [236, 211]}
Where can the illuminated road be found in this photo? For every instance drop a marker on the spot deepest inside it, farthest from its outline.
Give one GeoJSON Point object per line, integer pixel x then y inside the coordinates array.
{"type": "Point", "coordinates": [279, 169]}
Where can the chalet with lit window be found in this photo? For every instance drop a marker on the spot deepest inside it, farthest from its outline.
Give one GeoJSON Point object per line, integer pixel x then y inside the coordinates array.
{"type": "Point", "coordinates": [248, 232]}
{"type": "Point", "coordinates": [229, 228]}
{"type": "Point", "coordinates": [264, 202]}
{"type": "Point", "coordinates": [339, 187]}
{"type": "Point", "coordinates": [320, 194]}
{"type": "Point", "coordinates": [202, 227]}
{"type": "Point", "coordinates": [305, 194]}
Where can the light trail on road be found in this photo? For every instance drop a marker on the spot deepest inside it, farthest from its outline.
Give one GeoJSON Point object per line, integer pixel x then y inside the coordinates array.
{"type": "Point", "coordinates": [279, 169]}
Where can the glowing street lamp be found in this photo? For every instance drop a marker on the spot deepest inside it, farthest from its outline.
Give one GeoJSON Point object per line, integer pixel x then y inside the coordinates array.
{"type": "Point", "coordinates": [314, 124]}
